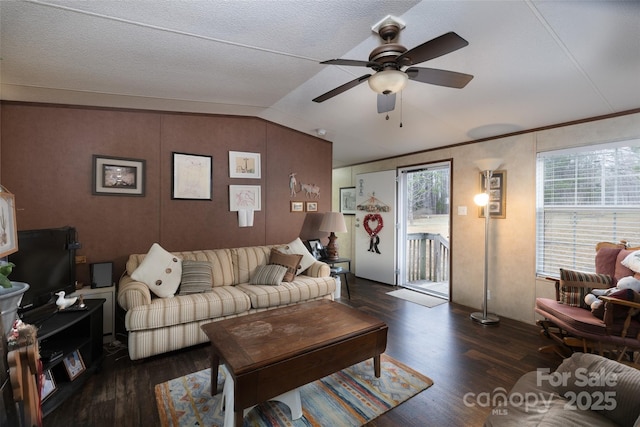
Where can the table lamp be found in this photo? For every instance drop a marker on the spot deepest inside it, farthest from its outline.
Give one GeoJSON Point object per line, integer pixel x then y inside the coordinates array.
{"type": "Point", "coordinates": [333, 222]}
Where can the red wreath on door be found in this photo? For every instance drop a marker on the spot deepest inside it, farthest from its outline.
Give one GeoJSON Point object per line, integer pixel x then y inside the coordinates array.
{"type": "Point", "coordinates": [373, 218]}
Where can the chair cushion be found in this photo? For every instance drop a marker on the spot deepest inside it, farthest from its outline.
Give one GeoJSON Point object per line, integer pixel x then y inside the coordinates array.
{"type": "Point", "coordinates": [621, 269]}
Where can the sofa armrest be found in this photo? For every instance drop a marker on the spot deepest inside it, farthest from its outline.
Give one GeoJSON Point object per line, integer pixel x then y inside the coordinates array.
{"type": "Point", "coordinates": [318, 269]}
{"type": "Point", "coordinates": [132, 293]}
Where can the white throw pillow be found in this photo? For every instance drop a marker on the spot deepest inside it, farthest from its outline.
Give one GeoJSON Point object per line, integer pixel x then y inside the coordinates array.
{"type": "Point", "coordinates": [160, 271]}
{"type": "Point", "coordinates": [298, 248]}
{"type": "Point", "coordinates": [632, 261]}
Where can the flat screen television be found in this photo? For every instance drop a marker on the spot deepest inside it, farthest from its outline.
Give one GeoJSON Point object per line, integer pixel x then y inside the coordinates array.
{"type": "Point", "coordinates": [46, 261]}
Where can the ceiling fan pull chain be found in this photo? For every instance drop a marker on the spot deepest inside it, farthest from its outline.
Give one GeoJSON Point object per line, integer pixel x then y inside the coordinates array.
{"type": "Point", "coordinates": [401, 108]}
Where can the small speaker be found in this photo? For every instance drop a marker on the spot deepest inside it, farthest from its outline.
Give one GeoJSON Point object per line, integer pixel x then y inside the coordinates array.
{"type": "Point", "coordinates": [101, 274]}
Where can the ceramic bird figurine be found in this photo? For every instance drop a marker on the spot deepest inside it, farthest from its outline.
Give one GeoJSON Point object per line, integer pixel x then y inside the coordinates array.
{"type": "Point", "coordinates": [63, 302]}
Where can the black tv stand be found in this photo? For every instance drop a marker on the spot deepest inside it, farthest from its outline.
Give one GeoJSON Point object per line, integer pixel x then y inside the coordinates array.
{"type": "Point", "coordinates": [60, 335]}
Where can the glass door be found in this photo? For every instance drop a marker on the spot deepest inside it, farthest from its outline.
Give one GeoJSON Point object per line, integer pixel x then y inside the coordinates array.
{"type": "Point", "coordinates": [424, 214]}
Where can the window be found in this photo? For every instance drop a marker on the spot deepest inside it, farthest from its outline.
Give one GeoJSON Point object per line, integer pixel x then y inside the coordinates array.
{"type": "Point", "coordinates": [584, 196]}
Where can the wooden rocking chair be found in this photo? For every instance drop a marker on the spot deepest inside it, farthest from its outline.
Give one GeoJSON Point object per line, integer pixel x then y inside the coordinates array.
{"type": "Point", "coordinates": [573, 326]}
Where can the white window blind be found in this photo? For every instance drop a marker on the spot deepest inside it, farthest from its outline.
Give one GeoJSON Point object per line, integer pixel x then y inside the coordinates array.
{"type": "Point", "coordinates": [585, 196]}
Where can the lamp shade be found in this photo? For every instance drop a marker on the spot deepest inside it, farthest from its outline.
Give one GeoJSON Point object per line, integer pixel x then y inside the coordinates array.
{"type": "Point", "coordinates": [333, 222]}
{"type": "Point", "coordinates": [388, 81]}
{"type": "Point", "coordinates": [489, 164]}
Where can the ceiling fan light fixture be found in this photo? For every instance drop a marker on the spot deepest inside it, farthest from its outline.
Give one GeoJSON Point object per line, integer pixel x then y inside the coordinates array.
{"type": "Point", "coordinates": [388, 81]}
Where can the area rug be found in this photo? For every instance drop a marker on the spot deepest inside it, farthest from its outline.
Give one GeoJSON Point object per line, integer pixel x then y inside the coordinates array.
{"type": "Point", "coordinates": [351, 397]}
{"type": "Point", "coordinates": [417, 297]}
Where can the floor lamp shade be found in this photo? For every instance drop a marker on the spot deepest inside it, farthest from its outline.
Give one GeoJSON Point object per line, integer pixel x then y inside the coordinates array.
{"type": "Point", "coordinates": [333, 222]}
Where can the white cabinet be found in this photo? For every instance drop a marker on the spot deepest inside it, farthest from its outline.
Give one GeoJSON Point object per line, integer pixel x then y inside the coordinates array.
{"type": "Point", "coordinates": [108, 312]}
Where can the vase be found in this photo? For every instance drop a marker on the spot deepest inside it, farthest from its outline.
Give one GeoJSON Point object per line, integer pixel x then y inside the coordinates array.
{"type": "Point", "coordinates": [9, 301]}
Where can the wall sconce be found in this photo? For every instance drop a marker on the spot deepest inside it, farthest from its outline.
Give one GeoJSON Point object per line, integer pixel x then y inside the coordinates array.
{"type": "Point", "coordinates": [486, 166]}
{"type": "Point", "coordinates": [333, 222]}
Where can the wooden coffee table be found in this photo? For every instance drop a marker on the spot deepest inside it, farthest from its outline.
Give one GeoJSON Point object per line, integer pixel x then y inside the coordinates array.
{"type": "Point", "coordinates": [275, 351]}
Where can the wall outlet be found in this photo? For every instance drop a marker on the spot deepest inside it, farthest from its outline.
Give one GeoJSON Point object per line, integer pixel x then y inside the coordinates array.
{"type": "Point", "coordinates": [488, 294]}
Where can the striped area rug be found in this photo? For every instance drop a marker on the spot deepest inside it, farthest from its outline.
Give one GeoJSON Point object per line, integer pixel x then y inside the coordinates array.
{"type": "Point", "coordinates": [351, 397]}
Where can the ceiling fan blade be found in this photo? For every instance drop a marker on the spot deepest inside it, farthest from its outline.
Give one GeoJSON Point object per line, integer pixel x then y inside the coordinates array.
{"type": "Point", "coordinates": [349, 62]}
{"type": "Point", "coordinates": [386, 103]}
{"type": "Point", "coordinates": [439, 77]}
{"type": "Point", "coordinates": [434, 48]}
{"type": "Point", "coordinates": [343, 88]}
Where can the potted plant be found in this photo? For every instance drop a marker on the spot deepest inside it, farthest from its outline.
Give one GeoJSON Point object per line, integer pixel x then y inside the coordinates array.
{"type": "Point", "coordinates": [10, 296]}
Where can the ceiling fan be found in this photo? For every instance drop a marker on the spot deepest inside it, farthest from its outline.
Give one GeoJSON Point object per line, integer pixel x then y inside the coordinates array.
{"type": "Point", "coordinates": [390, 61]}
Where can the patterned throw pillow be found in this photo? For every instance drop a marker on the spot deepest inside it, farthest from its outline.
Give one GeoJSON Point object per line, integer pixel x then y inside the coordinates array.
{"type": "Point", "coordinates": [291, 261]}
{"type": "Point", "coordinates": [268, 275]}
{"type": "Point", "coordinates": [196, 277]}
{"type": "Point", "coordinates": [575, 285]}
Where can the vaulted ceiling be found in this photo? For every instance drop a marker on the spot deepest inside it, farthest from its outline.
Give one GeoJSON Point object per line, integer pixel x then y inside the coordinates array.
{"type": "Point", "coordinates": [535, 63]}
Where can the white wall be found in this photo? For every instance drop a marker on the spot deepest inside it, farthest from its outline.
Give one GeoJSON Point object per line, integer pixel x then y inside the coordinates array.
{"type": "Point", "coordinates": [512, 280]}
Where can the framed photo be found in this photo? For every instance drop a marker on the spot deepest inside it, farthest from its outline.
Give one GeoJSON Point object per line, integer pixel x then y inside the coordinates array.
{"type": "Point", "coordinates": [297, 206]}
{"type": "Point", "coordinates": [244, 165]}
{"type": "Point", "coordinates": [348, 200]}
{"type": "Point", "coordinates": [117, 176]}
{"type": "Point", "coordinates": [315, 247]}
{"type": "Point", "coordinates": [244, 197]}
{"type": "Point", "coordinates": [192, 177]}
{"type": "Point", "coordinates": [48, 384]}
{"type": "Point", "coordinates": [497, 195]}
{"type": "Point", "coordinates": [8, 228]}
{"type": "Point", "coordinates": [74, 365]}
{"type": "Point", "coordinates": [312, 206]}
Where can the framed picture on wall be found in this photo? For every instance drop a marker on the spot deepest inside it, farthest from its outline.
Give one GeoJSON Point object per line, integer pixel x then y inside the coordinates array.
{"type": "Point", "coordinates": [497, 195]}
{"type": "Point", "coordinates": [192, 177]}
{"type": "Point", "coordinates": [8, 230]}
{"type": "Point", "coordinates": [311, 206]}
{"type": "Point", "coordinates": [117, 176]}
{"type": "Point", "coordinates": [297, 206]}
{"type": "Point", "coordinates": [244, 165]}
{"type": "Point", "coordinates": [348, 200]}
{"type": "Point", "coordinates": [244, 197]}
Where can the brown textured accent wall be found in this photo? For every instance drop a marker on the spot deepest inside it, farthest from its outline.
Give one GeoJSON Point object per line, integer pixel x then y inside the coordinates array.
{"type": "Point", "coordinates": [46, 161]}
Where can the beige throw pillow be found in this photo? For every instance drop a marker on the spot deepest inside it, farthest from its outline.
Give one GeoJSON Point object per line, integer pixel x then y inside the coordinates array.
{"type": "Point", "coordinates": [297, 247]}
{"type": "Point", "coordinates": [160, 271]}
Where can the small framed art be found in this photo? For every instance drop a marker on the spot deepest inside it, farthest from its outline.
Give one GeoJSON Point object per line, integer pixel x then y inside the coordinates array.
{"type": "Point", "coordinates": [348, 200]}
{"type": "Point", "coordinates": [117, 176]}
{"type": "Point", "coordinates": [297, 206]}
{"type": "Point", "coordinates": [48, 384]}
{"type": "Point", "coordinates": [192, 177]}
{"type": "Point", "coordinates": [74, 365]}
{"type": "Point", "coordinates": [244, 165]}
{"type": "Point", "coordinates": [311, 206]}
{"type": "Point", "coordinates": [8, 230]}
{"type": "Point", "coordinates": [497, 195]}
{"type": "Point", "coordinates": [244, 197]}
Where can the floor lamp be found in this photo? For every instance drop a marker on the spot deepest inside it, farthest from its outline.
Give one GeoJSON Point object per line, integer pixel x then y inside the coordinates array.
{"type": "Point", "coordinates": [487, 166]}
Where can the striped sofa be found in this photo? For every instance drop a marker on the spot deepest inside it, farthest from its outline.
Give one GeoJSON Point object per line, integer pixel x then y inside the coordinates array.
{"type": "Point", "coordinates": [158, 325]}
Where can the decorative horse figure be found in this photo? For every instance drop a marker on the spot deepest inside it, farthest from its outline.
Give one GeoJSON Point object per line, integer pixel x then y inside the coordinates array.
{"type": "Point", "coordinates": [310, 190]}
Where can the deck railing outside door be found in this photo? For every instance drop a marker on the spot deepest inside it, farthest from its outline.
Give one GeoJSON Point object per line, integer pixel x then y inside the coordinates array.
{"type": "Point", "coordinates": [427, 257]}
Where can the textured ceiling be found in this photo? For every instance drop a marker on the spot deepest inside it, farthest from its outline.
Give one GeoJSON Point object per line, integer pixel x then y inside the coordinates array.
{"type": "Point", "coordinates": [536, 63]}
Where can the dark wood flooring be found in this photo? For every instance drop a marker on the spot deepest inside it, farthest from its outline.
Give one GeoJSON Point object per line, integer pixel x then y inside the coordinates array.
{"type": "Point", "coordinates": [459, 355]}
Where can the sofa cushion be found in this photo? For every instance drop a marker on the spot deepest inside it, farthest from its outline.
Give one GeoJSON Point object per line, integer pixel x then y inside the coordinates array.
{"type": "Point", "coordinates": [160, 271]}
{"type": "Point", "coordinates": [591, 375]}
{"type": "Point", "coordinates": [222, 272]}
{"type": "Point", "coordinates": [290, 261]}
{"type": "Point", "coordinates": [297, 247]}
{"type": "Point", "coordinates": [268, 275]}
{"type": "Point", "coordinates": [196, 277]}
{"type": "Point", "coordinates": [303, 288]}
{"type": "Point", "coordinates": [575, 285]}
{"type": "Point", "coordinates": [246, 260]}
{"type": "Point", "coordinates": [162, 312]}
